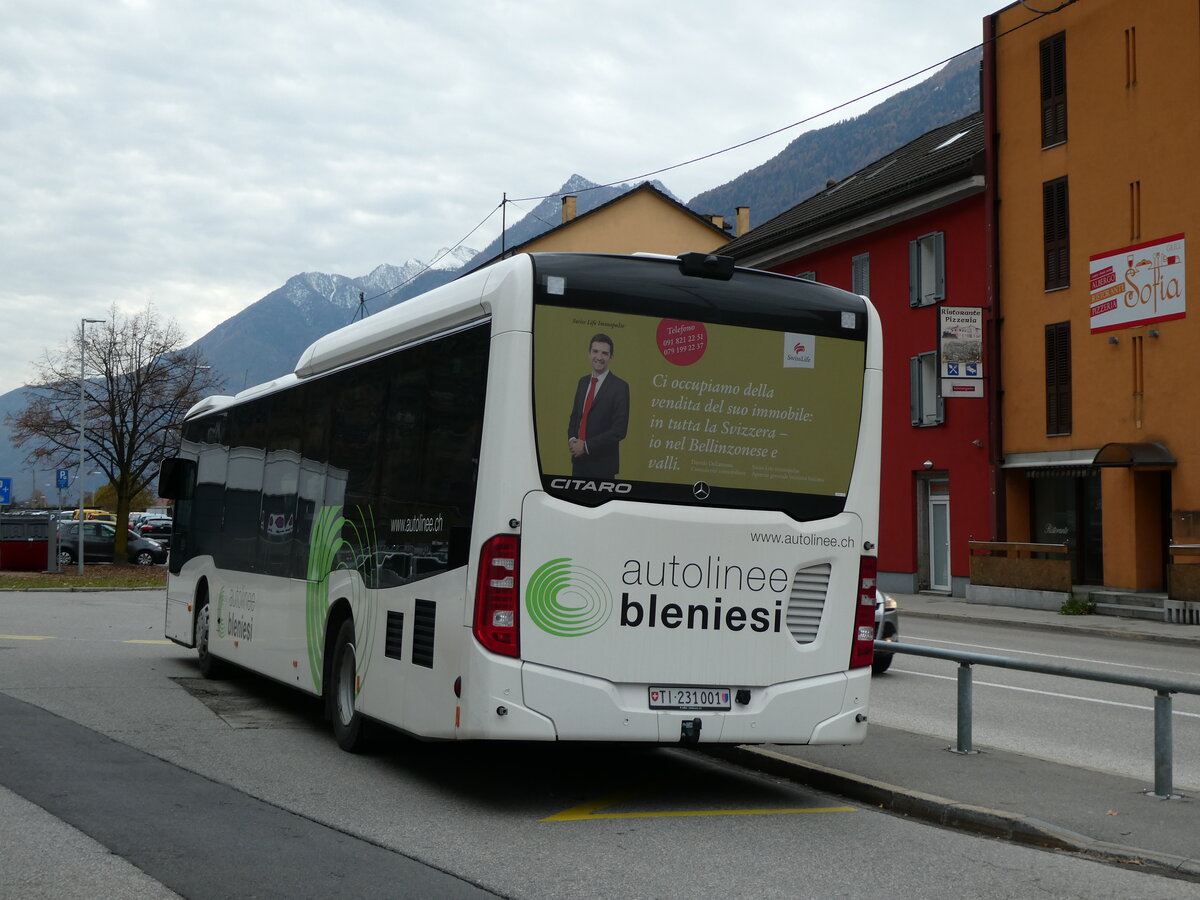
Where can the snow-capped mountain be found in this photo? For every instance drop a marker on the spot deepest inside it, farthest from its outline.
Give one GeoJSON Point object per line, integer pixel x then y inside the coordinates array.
{"type": "Point", "coordinates": [265, 339]}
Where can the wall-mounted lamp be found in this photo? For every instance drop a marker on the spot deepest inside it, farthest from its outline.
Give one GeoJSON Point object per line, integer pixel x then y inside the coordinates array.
{"type": "Point", "coordinates": [1153, 332]}
{"type": "Point", "coordinates": [1114, 340]}
{"type": "Point", "coordinates": [928, 464]}
{"type": "Point", "coordinates": [977, 442]}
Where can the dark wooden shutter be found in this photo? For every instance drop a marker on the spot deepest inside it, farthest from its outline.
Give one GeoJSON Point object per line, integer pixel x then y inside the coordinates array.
{"type": "Point", "coordinates": [1056, 234]}
{"type": "Point", "coordinates": [914, 273]}
{"type": "Point", "coordinates": [1058, 378]}
{"type": "Point", "coordinates": [1054, 89]}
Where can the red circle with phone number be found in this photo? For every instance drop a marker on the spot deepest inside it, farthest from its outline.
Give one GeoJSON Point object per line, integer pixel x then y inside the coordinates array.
{"type": "Point", "coordinates": [680, 342]}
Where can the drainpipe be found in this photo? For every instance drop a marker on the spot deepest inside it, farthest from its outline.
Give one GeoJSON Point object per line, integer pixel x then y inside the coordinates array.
{"type": "Point", "coordinates": [991, 195]}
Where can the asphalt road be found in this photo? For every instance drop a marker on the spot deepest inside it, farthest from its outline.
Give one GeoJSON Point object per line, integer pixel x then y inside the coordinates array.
{"type": "Point", "coordinates": [124, 774]}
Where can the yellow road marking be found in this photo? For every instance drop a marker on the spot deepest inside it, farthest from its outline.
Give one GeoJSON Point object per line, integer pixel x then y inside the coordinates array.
{"type": "Point", "coordinates": [588, 810]}
{"type": "Point", "coordinates": [592, 810]}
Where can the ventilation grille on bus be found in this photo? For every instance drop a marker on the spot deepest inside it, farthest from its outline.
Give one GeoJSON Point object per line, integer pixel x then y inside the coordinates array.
{"type": "Point", "coordinates": [394, 639]}
{"type": "Point", "coordinates": [807, 602]}
{"type": "Point", "coordinates": [423, 621]}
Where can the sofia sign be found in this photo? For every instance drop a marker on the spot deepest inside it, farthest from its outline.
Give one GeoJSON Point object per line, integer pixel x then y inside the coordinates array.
{"type": "Point", "coordinates": [1138, 285]}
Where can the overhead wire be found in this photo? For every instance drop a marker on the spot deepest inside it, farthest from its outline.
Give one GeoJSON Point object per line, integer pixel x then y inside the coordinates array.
{"type": "Point", "coordinates": [1039, 14]}
{"type": "Point", "coordinates": [762, 137]}
{"type": "Point", "coordinates": [363, 301]}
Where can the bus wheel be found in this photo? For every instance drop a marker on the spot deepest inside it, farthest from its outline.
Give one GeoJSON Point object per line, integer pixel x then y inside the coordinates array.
{"type": "Point", "coordinates": [210, 666]}
{"type": "Point", "coordinates": [349, 727]}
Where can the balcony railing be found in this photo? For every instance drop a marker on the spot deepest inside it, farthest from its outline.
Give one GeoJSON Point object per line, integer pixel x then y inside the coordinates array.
{"type": "Point", "coordinates": [1031, 567]}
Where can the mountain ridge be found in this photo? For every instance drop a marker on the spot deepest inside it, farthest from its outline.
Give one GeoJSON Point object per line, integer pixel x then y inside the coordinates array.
{"type": "Point", "coordinates": [265, 339]}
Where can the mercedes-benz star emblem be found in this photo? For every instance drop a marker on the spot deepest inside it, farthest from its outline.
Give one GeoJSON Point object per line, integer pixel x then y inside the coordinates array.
{"type": "Point", "coordinates": [700, 490]}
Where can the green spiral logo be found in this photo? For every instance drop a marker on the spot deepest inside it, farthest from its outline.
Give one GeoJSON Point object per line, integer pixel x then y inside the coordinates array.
{"type": "Point", "coordinates": [567, 600]}
{"type": "Point", "coordinates": [221, 614]}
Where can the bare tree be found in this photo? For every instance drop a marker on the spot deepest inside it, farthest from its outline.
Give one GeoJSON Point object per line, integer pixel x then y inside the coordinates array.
{"type": "Point", "coordinates": [139, 382]}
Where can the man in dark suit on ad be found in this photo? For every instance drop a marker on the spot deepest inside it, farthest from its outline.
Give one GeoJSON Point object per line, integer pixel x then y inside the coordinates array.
{"type": "Point", "coordinates": [599, 416]}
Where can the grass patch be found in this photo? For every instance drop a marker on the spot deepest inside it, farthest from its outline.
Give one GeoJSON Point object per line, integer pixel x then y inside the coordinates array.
{"type": "Point", "coordinates": [112, 577]}
{"type": "Point", "coordinates": [1077, 606]}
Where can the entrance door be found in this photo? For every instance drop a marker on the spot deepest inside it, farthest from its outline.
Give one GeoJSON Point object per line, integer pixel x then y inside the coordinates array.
{"type": "Point", "coordinates": [939, 536]}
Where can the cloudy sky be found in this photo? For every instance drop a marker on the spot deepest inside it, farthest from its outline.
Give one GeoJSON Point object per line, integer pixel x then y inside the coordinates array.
{"type": "Point", "coordinates": [197, 153]}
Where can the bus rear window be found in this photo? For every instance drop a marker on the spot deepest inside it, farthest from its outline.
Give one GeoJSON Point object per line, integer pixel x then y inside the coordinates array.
{"type": "Point", "coordinates": [643, 407]}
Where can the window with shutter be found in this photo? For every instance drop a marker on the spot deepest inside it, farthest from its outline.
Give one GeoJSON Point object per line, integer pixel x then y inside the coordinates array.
{"type": "Point", "coordinates": [927, 269]}
{"type": "Point", "coordinates": [860, 274]}
{"type": "Point", "coordinates": [1053, 57]}
{"type": "Point", "coordinates": [1056, 234]}
{"type": "Point", "coordinates": [926, 406]}
{"type": "Point", "coordinates": [1058, 378]}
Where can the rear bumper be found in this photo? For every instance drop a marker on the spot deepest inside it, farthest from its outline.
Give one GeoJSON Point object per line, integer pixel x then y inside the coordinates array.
{"type": "Point", "coordinates": [826, 709]}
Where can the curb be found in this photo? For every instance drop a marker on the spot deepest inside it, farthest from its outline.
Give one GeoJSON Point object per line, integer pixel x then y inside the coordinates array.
{"type": "Point", "coordinates": [1100, 631]}
{"type": "Point", "coordinates": [952, 814]}
{"type": "Point", "coordinates": [77, 590]}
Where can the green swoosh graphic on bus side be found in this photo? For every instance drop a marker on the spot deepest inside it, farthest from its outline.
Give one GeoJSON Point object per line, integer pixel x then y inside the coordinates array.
{"type": "Point", "coordinates": [363, 542]}
{"type": "Point", "coordinates": [221, 614]}
{"type": "Point", "coordinates": [324, 543]}
{"type": "Point", "coordinates": [567, 600]}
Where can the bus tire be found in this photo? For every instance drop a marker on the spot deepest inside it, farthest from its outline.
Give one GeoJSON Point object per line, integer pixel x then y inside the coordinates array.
{"type": "Point", "coordinates": [210, 666]}
{"type": "Point", "coordinates": [350, 728]}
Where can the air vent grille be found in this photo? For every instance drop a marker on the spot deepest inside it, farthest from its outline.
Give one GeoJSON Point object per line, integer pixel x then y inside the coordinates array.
{"type": "Point", "coordinates": [424, 615]}
{"type": "Point", "coordinates": [806, 604]}
{"type": "Point", "coordinates": [394, 639]}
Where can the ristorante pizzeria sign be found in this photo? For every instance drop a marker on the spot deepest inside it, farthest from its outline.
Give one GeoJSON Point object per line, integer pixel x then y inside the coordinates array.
{"type": "Point", "coordinates": [1138, 285]}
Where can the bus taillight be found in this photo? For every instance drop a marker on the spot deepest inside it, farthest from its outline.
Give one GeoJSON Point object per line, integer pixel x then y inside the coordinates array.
{"type": "Point", "coordinates": [497, 608]}
{"type": "Point", "coordinates": [862, 648]}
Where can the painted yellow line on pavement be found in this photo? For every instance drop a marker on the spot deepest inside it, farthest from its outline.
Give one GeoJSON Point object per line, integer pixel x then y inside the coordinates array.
{"type": "Point", "coordinates": [592, 810]}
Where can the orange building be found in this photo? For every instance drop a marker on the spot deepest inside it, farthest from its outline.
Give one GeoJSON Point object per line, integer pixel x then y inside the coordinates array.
{"type": "Point", "coordinates": [1094, 115]}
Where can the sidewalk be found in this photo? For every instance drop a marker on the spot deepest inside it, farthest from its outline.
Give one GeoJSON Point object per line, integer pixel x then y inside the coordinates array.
{"type": "Point", "coordinates": [1004, 794]}
{"type": "Point", "coordinates": [956, 609]}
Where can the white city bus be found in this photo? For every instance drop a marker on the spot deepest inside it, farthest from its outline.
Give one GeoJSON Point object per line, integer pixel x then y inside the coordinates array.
{"type": "Point", "coordinates": [416, 526]}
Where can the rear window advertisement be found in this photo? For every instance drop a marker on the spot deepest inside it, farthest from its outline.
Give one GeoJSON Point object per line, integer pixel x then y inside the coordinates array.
{"type": "Point", "coordinates": [681, 402]}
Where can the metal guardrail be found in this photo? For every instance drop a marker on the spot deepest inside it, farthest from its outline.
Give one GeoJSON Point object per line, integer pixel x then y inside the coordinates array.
{"type": "Point", "coordinates": [1163, 729]}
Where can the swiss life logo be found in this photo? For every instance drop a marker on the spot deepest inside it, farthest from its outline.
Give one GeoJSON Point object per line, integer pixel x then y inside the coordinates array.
{"type": "Point", "coordinates": [799, 351]}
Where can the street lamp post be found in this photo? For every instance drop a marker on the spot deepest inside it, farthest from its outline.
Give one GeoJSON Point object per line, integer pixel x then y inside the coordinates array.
{"type": "Point", "coordinates": [83, 323]}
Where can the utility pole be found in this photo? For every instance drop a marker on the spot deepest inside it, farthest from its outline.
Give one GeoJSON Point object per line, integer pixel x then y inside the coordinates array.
{"type": "Point", "coordinates": [82, 422]}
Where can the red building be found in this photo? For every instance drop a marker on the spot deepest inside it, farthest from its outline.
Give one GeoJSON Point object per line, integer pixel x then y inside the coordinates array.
{"type": "Point", "coordinates": [909, 232]}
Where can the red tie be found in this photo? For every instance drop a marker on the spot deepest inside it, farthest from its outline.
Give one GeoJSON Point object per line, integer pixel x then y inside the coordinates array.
{"type": "Point", "coordinates": [587, 407]}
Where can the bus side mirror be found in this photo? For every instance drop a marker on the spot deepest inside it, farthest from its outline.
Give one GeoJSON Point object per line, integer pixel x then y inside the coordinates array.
{"type": "Point", "coordinates": [177, 479]}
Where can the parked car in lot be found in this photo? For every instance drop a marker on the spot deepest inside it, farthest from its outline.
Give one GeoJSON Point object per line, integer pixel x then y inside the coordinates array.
{"type": "Point", "coordinates": [99, 541]}
{"type": "Point", "coordinates": [887, 628]}
{"type": "Point", "coordinates": [157, 529]}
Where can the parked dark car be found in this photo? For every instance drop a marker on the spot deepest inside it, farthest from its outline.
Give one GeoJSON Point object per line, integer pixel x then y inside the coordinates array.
{"type": "Point", "coordinates": [157, 529]}
{"type": "Point", "coordinates": [99, 539]}
{"type": "Point", "coordinates": [887, 628]}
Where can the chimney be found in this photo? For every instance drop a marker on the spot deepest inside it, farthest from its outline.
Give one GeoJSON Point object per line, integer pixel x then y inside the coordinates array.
{"type": "Point", "coordinates": [743, 221]}
{"type": "Point", "coordinates": [568, 207]}
{"type": "Point", "coordinates": [718, 221]}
